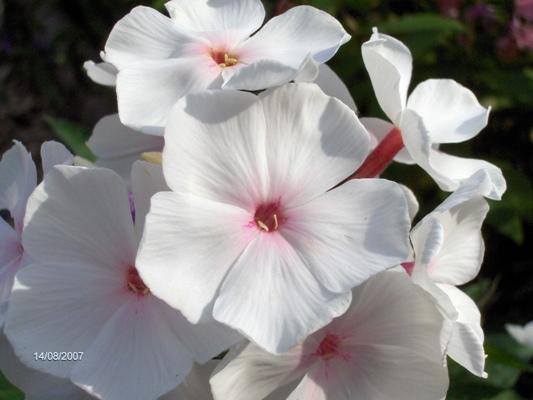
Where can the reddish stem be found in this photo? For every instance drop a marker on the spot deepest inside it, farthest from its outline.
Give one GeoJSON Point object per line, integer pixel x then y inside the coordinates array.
{"type": "Point", "coordinates": [381, 156]}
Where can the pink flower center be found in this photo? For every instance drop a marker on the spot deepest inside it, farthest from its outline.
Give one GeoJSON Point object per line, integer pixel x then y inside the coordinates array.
{"type": "Point", "coordinates": [223, 58]}
{"type": "Point", "coordinates": [329, 347]}
{"type": "Point", "coordinates": [268, 217]}
{"type": "Point", "coordinates": [135, 284]}
{"type": "Point", "coordinates": [408, 266]}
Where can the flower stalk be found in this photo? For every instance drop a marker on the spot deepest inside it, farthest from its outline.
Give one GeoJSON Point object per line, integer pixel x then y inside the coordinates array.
{"type": "Point", "coordinates": [381, 157]}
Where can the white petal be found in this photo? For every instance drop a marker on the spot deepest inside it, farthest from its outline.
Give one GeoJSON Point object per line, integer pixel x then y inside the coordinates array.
{"type": "Point", "coordinates": [461, 254]}
{"type": "Point", "coordinates": [118, 147]}
{"type": "Point", "coordinates": [54, 153]}
{"type": "Point", "coordinates": [9, 243]}
{"type": "Point", "coordinates": [36, 385]}
{"type": "Point", "coordinates": [111, 139]}
{"type": "Point", "coordinates": [102, 73]}
{"type": "Point", "coordinates": [390, 310]}
{"type": "Point", "coordinates": [243, 16]}
{"type": "Point", "coordinates": [351, 233]}
{"type": "Point", "coordinates": [291, 36]}
{"type": "Point", "coordinates": [427, 238]}
{"type": "Point", "coordinates": [80, 215]}
{"type": "Point", "coordinates": [7, 278]}
{"type": "Point", "coordinates": [449, 172]}
{"type": "Point", "coordinates": [522, 334]}
{"type": "Point", "coordinates": [451, 112]}
{"type": "Point", "coordinates": [121, 164]}
{"type": "Point", "coordinates": [271, 297]}
{"type": "Point", "coordinates": [313, 143]}
{"type": "Point", "coordinates": [18, 178]}
{"type": "Point", "coordinates": [412, 202]}
{"type": "Point", "coordinates": [389, 64]}
{"type": "Point", "coordinates": [333, 86]}
{"type": "Point", "coordinates": [260, 74]}
{"type": "Point", "coordinates": [189, 244]}
{"type": "Point", "coordinates": [215, 148]}
{"type": "Point", "coordinates": [379, 128]}
{"type": "Point", "coordinates": [135, 356]}
{"type": "Point", "coordinates": [309, 71]}
{"type": "Point", "coordinates": [145, 34]}
{"type": "Point", "coordinates": [250, 371]}
{"type": "Point", "coordinates": [60, 308]}
{"type": "Point", "coordinates": [466, 343]}
{"type": "Point", "coordinates": [196, 386]}
{"type": "Point", "coordinates": [147, 90]}
{"type": "Point", "coordinates": [477, 185]}
{"type": "Point", "coordinates": [204, 340]}
{"type": "Point", "coordinates": [289, 39]}
{"type": "Point", "coordinates": [146, 180]}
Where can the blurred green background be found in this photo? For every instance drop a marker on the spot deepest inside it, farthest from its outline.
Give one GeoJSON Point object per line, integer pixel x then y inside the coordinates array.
{"type": "Point", "coordinates": [486, 46]}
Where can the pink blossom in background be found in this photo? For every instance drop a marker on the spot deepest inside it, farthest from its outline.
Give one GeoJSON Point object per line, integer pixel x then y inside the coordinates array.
{"type": "Point", "coordinates": [524, 9]}
{"type": "Point", "coordinates": [449, 8]}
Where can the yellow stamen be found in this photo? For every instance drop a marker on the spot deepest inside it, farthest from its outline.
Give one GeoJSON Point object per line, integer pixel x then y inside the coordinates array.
{"type": "Point", "coordinates": [262, 225]}
{"type": "Point", "coordinates": [275, 221]}
{"type": "Point", "coordinates": [228, 61]}
{"type": "Point", "coordinates": [153, 157]}
{"type": "Point", "coordinates": [328, 356]}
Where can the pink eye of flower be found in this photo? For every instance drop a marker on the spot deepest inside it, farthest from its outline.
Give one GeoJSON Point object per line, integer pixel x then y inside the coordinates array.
{"type": "Point", "coordinates": [135, 284]}
{"type": "Point", "coordinates": [329, 347]}
{"type": "Point", "coordinates": [223, 58]}
{"type": "Point", "coordinates": [268, 217]}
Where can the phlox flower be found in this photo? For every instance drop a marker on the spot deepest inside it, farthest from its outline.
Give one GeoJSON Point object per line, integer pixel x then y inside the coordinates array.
{"type": "Point", "coordinates": [83, 293]}
{"type": "Point", "coordinates": [449, 250]}
{"type": "Point", "coordinates": [209, 44]}
{"type": "Point", "coordinates": [438, 111]}
{"type": "Point", "coordinates": [18, 178]}
{"type": "Point", "coordinates": [522, 334]}
{"type": "Point", "coordinates": [386, 346]}
{"type": "Point", "coordinates": [254, 231]}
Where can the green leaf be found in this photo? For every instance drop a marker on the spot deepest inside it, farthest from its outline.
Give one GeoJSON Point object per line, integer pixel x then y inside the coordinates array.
{"type": "Point", "coordinates": [507, 395]}
{"type": "Point", "coordinates": [73, 135]}
{"type": "Point", "coordinates": [422, 23]}
{"type": "Point", "coordinates": [476, 291]}
{"type": "Point", "coordinates": [506, 215]}
{"type": "Point", "coordinates": [8, 391]}
{"type": "Point", "coordinates": [159, 5]}
{"type": "Point", "coordinates": [422, 32]}
{"type": "Point", "coordinates": [331, 7]}
{"type": "Point", "coordinates": [515, 85]}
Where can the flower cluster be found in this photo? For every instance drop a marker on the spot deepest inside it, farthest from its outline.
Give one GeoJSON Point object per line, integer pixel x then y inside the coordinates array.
{"type": "Point", "coordinates": [234, 240]}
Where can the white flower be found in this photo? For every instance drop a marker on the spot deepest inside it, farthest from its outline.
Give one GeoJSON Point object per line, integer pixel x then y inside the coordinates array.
{"type": "Point", "coordinates": [522, 334]}
{"type": "Point", "coordinates": [83, 292]}
{"type": "Point", "coordinates": [386, 346]}
{"type": "Point", "coordinates": [437, 111]}
{"type": "Point", "coordinates": [253, 231]}
{"type": "Point", "coordinates": [207, 44]}
{"type": "Point", "coordinates": [449, 250]}
{"type": "Point", "coordinates": [18, 178]}
{"type": "Point", "coordinates": [118, 147]}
